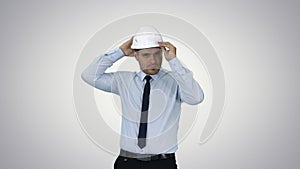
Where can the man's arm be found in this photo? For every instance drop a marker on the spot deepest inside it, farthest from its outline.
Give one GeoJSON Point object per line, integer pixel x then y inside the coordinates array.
{"type": "Point", "coordinates": [189, 89]}
{"type": "Point", "coordinates": [95, 74]}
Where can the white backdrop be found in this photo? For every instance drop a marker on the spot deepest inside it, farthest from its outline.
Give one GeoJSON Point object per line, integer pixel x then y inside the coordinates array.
{"type": "Point", "coordinates": [258, 46]}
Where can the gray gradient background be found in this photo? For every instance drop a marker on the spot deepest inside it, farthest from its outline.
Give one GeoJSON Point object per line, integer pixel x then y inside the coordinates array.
{"type": "Point", "coordinates": [258, 46]}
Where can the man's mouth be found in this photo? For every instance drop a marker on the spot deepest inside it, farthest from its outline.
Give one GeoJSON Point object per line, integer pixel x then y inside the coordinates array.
{"type": "Point", "coordinates": [153, 67]}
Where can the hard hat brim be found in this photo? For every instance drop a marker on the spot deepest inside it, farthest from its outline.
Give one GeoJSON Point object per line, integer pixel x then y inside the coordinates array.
{"type": "Point", "coordinates": [145, 46]}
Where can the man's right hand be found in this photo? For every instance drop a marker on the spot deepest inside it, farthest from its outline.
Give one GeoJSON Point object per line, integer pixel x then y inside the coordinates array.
{"type": "Point", "coordinates": [126, 47]}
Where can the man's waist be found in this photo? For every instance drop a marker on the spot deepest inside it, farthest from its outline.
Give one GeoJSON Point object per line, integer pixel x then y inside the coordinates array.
{"type": "Point", "coordinates": [146, 157]}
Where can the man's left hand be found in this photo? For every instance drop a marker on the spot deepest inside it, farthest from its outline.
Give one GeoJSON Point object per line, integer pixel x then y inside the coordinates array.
{"type": "Point", "coordinates": [168, 49]}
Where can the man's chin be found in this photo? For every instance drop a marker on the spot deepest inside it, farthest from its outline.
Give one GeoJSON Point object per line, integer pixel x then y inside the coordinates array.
{"type": "Point", "coordinates": [151, 71]}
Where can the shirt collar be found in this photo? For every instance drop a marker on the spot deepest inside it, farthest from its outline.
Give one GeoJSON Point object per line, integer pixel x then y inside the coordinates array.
{"type": "Point", "coordinates": [142, 75]}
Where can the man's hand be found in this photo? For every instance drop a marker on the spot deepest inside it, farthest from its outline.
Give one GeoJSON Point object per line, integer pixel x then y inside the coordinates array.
{"type": "Point", "coordinates": [168, 49]}
{"type": "Point", "coordinates": [126, 47]}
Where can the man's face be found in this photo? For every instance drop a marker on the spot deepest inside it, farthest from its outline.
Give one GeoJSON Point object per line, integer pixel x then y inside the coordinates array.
{"type": "Point", "coordinates": [149, 60]}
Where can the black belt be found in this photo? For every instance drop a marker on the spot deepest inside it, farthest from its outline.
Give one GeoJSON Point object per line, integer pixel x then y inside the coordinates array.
{"type": "Point", "coordinates": [146, 157]}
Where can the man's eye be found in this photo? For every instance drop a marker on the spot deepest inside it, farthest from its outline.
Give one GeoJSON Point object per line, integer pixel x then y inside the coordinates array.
{"type": "Point", "coordinates": [157, 54]}
{"type": "Point", "coordinates": [146, 55]}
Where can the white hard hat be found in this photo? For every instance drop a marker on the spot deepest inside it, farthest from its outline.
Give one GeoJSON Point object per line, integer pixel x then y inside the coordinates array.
{"type": "Point", "coordinates": [146, 37]}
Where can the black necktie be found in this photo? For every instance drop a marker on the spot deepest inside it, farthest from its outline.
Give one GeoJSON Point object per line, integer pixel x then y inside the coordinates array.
{"type": "Point", "coordinates": [144, 114]}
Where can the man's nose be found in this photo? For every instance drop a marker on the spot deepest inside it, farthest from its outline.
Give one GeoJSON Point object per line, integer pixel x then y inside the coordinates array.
{"type": "Point", "coordinates": [152, 59]}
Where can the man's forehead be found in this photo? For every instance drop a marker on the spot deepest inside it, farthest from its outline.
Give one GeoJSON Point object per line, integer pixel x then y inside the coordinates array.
{"type": "Point", "coordinates": [150, 50]}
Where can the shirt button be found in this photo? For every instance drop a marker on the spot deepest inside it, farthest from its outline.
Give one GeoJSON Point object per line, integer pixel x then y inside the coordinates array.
{"type": "Point", "coordinates": [125, 159]}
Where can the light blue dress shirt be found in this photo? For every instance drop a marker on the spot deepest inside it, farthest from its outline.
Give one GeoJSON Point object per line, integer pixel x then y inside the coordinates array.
{"type": "Point", "coordinates": [168, 90]}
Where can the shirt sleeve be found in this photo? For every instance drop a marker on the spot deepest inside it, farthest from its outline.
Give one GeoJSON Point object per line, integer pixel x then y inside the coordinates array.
{"type": "Point", "coordinates": [95, 74]}
{"type": "Point", "coordinates": [189, 89]}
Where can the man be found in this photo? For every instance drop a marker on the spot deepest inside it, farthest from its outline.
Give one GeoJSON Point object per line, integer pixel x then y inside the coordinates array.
{"type": "Point", "coordinates": [151, 99]}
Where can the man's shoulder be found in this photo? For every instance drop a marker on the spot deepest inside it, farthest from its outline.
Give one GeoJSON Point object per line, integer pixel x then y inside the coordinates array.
{"type": "Point", "coordinates": [125, 74]}
{"type": "Point", "coordinates": [166, 73]}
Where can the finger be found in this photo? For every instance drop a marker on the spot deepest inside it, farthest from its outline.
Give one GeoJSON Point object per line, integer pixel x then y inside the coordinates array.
{"type": "Point", "coordinates": [163, 44]}
{"type": "Point", "coordinates": [129, 42]}
{"type": "Point", "coordinates": [163, 49]}
{"type": "Point", "coordinates": [167, 45]}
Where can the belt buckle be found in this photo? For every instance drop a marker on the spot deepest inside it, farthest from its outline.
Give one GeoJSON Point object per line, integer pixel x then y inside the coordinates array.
{"type": "Point", "coordinates": [163, 156]}
{"type": "Point", "coordinates": [145, 158]}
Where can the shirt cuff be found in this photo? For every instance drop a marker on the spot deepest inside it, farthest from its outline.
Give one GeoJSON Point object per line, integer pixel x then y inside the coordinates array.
{"type": "Point", "coordinates": [176, 65]}
{"type": "Point", "coordinates": [114, 54]}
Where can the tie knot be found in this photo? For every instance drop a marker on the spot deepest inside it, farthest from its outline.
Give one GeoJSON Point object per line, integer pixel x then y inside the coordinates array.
{"type": "Point", "coordinates": [148, 78]}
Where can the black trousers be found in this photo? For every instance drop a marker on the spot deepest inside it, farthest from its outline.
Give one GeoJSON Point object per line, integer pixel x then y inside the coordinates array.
{"type": "Point", "coordinates": [132, 163]}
